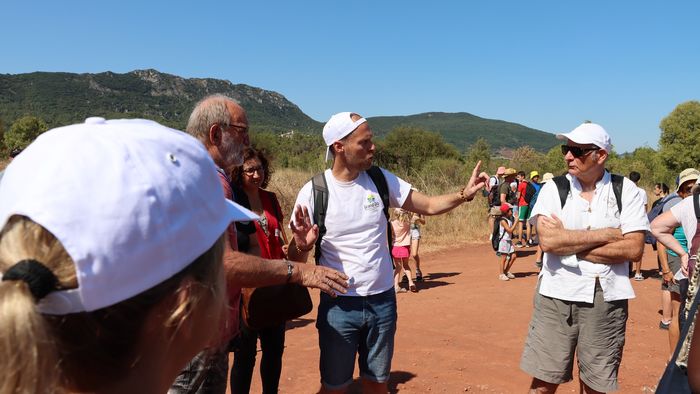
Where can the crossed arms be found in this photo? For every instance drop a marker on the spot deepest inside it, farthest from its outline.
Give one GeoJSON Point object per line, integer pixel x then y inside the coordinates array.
{"type": "Point", "coordinates": [603, 246]}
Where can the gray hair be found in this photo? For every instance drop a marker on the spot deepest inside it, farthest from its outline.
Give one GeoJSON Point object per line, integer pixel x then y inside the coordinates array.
{"type": "Point", "coordinates": [209, 110]}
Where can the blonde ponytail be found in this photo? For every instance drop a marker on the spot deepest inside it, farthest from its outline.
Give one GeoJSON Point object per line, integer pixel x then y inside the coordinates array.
{"type": "Point", "coordinates": [28, 355]}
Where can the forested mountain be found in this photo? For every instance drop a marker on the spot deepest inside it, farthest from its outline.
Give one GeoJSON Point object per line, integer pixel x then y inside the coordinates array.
{"type": "Point", "coordinates": [64, 98]}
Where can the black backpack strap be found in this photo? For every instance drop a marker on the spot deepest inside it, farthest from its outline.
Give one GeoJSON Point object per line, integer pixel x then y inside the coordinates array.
{"type": "Point", "coordinates": [617, 189]}
{"type": "Point", "coordinates": [320, 193]}
{"type": "Point", "coordinates": [695, 205]}
{"type": "Point", "coordinates": [563, 187]}
{"type": "Point", "coordinates": [375, 173]}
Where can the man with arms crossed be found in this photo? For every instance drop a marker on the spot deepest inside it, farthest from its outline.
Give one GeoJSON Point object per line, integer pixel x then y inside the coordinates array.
{"type": "Point", "coordinates": [581, 299]}
{"type": "Point", "coordinates": [363, 321]}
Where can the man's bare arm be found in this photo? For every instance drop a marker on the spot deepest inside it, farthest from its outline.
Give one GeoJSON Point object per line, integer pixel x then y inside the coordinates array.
{"type": "Point", "coordinates": [554, 238]}
{"type": "Point", "coordinates": [630, 248]}
{"type": "Point", "coordinates": [434, 205]}
{"type": "Point", "coordinates": [245, 270]}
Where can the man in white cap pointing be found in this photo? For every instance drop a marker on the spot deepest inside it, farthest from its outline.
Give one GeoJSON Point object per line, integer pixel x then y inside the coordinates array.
{"type": "Point", "coordinates": [590, 224]}
{"type": "Point", "coordinates": [347, 203]}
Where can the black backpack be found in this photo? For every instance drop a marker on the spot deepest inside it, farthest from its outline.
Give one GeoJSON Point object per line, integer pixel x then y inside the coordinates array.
{"type": "Point", "coordinates": [495, 233]}
{"type": "Point", "coordinates": [320, 194]}
{"type": "Point", "coordinates": [530, 192]}
{"type": "Point", "coordinates": [564, 188]}
{"type": "Point", "coordinates": [494, 197]}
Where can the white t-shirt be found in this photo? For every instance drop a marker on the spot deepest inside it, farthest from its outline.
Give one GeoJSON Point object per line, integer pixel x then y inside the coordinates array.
{"type": "Point", "coordinates": [643, 194]}
{"type": "Point", "coordinates": [685, 214]}
{"type": "Point", "coordinates": [578, 283]}
{"type": "Point", "coordinates": [356, 239]}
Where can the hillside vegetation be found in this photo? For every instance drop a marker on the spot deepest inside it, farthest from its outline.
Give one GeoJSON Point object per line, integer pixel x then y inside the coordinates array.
{"type": "Point", "coordinates": [64, 98]}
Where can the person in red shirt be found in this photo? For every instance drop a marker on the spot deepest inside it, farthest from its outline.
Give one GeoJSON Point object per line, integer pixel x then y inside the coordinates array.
{"type": "Point", "coordinates": [523, 209]}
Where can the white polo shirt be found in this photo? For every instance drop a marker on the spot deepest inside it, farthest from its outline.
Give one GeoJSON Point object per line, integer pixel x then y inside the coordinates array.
{"type": "Point", "coordinates": [578, 284]}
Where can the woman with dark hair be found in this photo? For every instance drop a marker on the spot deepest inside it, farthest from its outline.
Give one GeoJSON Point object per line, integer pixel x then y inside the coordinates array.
{"type": "Point", "coordinates": [265, 238]}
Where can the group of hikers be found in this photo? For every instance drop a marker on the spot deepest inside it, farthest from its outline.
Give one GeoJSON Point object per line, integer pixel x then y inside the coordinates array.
{"type": "Point", "coordinates": [129, 252]}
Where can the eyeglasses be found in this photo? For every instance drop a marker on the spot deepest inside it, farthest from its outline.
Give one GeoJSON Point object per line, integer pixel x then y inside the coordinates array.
{"type": "Point", "coordinates": [576, 151]}
{"type": "Point", "coordinates": [687, 190]}
{"type": "Point", "coordinates": [239, 128]}
{"type": "Point", "coordinates": [252, 170]}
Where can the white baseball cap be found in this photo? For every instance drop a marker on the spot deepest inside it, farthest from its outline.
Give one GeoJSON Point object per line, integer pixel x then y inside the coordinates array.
{"type": "Point", "coordinates": [131, 201]}
{"type": "Point", "coordinates": [337, 127]}
{"type": "Point", "coordinates": [589, 133]}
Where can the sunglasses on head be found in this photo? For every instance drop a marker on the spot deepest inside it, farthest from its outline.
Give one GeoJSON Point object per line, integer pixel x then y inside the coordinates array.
{"type": "Point", "coordinates": [576, 151]}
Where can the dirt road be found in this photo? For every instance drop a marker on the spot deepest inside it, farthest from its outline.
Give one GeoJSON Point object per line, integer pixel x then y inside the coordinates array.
{"type": "Point", "coordinates": [464, 331]}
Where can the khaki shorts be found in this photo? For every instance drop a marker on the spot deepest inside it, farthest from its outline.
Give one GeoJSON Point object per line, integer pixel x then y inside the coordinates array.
{"type": "Point", "coordinates": [558, 329]}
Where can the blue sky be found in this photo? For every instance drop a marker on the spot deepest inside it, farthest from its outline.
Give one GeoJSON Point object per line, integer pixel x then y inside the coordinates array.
{"type": "Point", "coordinates": [546, 64]}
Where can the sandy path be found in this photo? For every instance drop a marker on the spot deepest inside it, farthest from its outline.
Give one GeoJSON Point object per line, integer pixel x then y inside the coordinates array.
{"type": "Point", "coordinates": [465, 330]}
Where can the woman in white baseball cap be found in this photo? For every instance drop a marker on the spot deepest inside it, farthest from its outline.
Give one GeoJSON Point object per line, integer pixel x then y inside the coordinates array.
{"type": "Point", "coordinates": [110, 258]}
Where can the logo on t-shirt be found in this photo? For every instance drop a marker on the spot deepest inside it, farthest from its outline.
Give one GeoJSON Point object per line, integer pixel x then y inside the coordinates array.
{"type": "Point", "coordinates": [372, 203]}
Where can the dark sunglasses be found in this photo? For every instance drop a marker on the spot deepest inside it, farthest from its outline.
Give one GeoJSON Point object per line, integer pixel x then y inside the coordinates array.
{"type": "Point", "coordinates": [576, 151]}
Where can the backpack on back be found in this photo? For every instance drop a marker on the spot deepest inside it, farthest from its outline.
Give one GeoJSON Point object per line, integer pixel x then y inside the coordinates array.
{"type": "Point", "coordinates": [496, 234]}
{"type": "Point", "coordinates": [494, 197]}
{"type": "Point", "coordinates": [564, 188]}
{"type": "Point", "coordinates": [530, 191]}
{"type": "Point", "coordinates": [656, 211]}
{"type": "Point", "coordinates": [319, 188]}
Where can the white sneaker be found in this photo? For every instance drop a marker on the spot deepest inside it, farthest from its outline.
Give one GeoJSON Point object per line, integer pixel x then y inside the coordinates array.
{"type": "Point", "coordinates": [510, 276]}
{"type": "Point", "coordinates": [638, 277]}
{"type": "Point", "coordinates": [503, 277]}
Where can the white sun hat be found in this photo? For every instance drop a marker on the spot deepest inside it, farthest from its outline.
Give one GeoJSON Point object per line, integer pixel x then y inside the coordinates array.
{"type": "Point", "coordinates": [132, 202]}
{"type": "Point", "coordinates": [337, 127]}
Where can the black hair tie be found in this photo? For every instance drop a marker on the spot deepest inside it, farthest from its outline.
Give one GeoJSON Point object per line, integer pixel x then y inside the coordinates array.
{"type": "Point", "coordinates": [37, 276]}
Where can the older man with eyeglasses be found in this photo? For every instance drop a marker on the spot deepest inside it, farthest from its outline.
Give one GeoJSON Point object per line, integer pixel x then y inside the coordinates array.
{"type": "Point", "coordinates": [590, 224]}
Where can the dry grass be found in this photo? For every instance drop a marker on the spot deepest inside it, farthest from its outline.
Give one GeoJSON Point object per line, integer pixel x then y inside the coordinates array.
{"type": "Point", "coordinates": [465, 224]}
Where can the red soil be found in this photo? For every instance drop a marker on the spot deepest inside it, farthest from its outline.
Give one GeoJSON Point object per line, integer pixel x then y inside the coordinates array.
{"type": "Point", "coordinates": [464, 331]}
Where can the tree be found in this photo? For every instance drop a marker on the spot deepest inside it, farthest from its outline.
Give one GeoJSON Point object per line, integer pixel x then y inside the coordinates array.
{"type": "Point", "coordinates": [527, 159]}
{"type": "Point", "coordinates": [680, 137]}
{"type": "Point", "coordinates": [23, 132]}
{"type": "Point", "coordinates": [480, 150]}
{"type": "Point", "coordinates": [408, 147]}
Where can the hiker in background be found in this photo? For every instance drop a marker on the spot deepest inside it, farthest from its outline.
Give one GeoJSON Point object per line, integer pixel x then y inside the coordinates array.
{"type": "Point", "coordinates": [538, 256]}
{"type": "Point", "coordinates": [401, 249]}
{"type": "Point", "coordinates": [417, 220]}
{"type": "Point", "coordinates": [263, 237]}
{"type": "Point", "coordinates": [494, 197]}
{"type": "Point", "coordinates": [637, 265]}
{"type": "Point", "coordinates": [522, 211]}
{"type": "Point", "coordinates": [674, 282]}
{"type": "Point", "coordinates": [661, 191]}
{"type": "Point", "coordinates": [506, 250]}
{"type": "Point", "coordinates": [532, 189]}
{"type": "Point", "coordinates": [351, 210]}
{"type": "Point", "coordinates": [590, 224]}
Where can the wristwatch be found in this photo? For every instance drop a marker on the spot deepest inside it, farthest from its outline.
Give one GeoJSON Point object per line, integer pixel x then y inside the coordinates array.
{"type": "Point", "coordinates": [290, 269]}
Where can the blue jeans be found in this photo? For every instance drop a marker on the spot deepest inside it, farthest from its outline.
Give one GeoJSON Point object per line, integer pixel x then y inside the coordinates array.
{"type": "Point", "coordinates": [349, 326]}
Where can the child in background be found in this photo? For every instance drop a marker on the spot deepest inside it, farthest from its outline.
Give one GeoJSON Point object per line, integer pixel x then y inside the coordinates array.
{"type": "Point", "coordinates": [401, 250]}
{"type": "Point", "coordinates": [506, 250]}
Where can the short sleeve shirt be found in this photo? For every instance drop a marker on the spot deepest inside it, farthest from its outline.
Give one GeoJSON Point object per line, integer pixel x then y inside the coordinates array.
{"type": "Point", "coordinates": [503, 188]}
{"type": "Point", "coordinates": [522, 189]}
{"type": "Point", "coordinates": [684, 212]}
{"type": "Point", "coordinates": [578, 284]}
{"type": "Point", "coordinates": [355, 242]}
